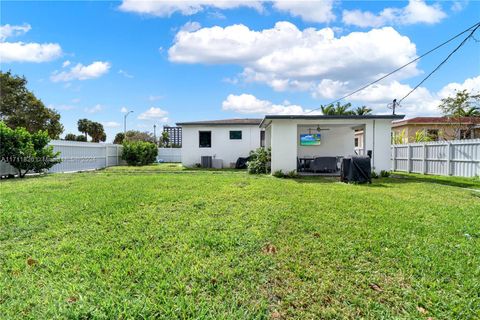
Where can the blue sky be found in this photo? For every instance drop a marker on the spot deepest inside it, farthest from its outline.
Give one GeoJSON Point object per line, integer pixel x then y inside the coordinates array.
{"type": "Point", "coordinates": [174, 61]}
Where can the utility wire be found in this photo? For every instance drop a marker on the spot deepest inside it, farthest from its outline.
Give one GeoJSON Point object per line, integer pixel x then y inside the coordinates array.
{"type": "Point", "coordinates": [476, 25]}
{"type": "Point", "coordinates": [442, 63]}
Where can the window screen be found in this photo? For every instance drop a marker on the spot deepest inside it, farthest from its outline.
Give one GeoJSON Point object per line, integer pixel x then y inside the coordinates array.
{"type": "Point", "coordinates": [235, 135]}
{"type": "Point", "coordinates": [205, 138]}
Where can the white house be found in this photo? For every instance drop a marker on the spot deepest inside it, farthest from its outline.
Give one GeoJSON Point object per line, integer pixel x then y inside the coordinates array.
{"type": "Point", "coordinates": [291, 139]}
{"type": "Point", "coordinates": [223, 140]}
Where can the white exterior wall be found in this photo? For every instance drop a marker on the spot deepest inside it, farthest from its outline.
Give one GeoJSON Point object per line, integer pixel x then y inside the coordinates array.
{"type": "Point", "coordinates": [378, 138]}
{"type": "Point", "coordinates": [284, 145]}
{"type": "Point", "coordinates": [338, 141]}
{"type": "Point", "coordinates": [222, 147]}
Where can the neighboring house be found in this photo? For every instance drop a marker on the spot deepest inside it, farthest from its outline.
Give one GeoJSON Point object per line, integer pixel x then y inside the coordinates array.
{"type": "Point", "coordinates": [290, 137]}
{"type": "Point", "coordinates": [438, 128]}
{"type": "Point", "coordinates": [223, 140]}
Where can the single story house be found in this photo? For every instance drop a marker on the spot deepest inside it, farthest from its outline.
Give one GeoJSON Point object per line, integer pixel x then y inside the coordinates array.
{"type": "Point", "coordinates": [223, 140]}
{"type": "Point", "coordinates": [438, 128]}
{"type": "Point", "coordinates": [291, 138]}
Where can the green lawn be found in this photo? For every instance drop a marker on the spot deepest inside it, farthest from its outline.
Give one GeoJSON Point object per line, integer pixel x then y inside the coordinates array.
{"type": "Point", "coordinates": [164, 242]}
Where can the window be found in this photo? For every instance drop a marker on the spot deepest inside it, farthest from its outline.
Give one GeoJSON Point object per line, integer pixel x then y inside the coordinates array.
{"type": "Point", "coordinates": [235, 135]}
{"type": "Point", "coordinates": [262, 139]}
{"type": "Point", "coordinates": [356, 142]}
{"type": "Point", "coordinates": [465, 134]}
{"type": "Point", "coordinates": [205, 138]}
{"type": "Point", "coordinates": [433, 134]}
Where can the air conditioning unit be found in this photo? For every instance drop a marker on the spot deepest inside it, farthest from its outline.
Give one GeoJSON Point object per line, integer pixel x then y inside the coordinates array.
{"type": "Point", "coordinates": [206, 161]}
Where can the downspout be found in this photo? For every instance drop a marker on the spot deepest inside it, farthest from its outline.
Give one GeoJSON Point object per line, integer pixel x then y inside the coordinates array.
{"type": "Point", "coordinates": [373, 147]}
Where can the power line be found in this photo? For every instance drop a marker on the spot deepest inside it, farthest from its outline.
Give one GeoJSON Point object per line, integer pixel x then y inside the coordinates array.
{"type": "Point", "coordinates": [476, 25]}
{"type": "Point", "coordinates": [441, 63]}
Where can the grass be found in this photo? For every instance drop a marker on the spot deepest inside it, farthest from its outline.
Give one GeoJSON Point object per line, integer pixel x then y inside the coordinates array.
{"type": "Point", "coordinates": [164, 242]}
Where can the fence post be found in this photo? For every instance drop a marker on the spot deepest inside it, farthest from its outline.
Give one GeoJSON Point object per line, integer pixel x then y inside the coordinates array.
{"type": "Point", "coordinates": [106, 156]}
{"type": "Point", "coordinates": [449, 159]}
{"type": "Point", "coordinates": [394, 158]}
{"type": "Point", "coordinates": [424, 162]}
{"type": "Point", "coordinates": [409, 158]}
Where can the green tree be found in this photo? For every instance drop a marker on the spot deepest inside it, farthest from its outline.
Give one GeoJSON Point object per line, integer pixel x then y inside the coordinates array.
{"type": "Point", "coordinates": [97, 132]}
{"type": "Point", "coordinates": [83, 126]}
{"type": "Point", "coordinates": [363, 111]}
{"type": "Point", "coordinates": [70, 137]}
{"type": "Point", "coordinates": [165, 139]}
{"type": "Point", "coordinates": [119, 137]}
{"type": "Point", "coordinates": [81, 138]}
{"type": "Point", "coordinates": [134, 135]}
{"type": "Point", "coordinates": [26, 151]}
{"type": "Point", "coordinates": [463, 104]}
{"type": "Point", "coordinates": [461, 110]}
{"type": "Point", "coordinates": [20, 108]}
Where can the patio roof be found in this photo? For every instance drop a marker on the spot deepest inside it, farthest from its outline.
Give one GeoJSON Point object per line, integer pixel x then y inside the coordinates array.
{"type": "Point", "coordinates": [332, 117]}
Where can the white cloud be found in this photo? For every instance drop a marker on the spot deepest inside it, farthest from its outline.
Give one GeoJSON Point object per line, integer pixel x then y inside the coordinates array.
{"type": "Point", "coordinates": [184, 7]}
{"type": "Point", "coordinates": [124, 110]}
{"type": "Point", "coordinates": [247, 103]}
{"type": "Point", "coordinates": [81, 72]}
{"type": "Point", "coordinates": [154, 98]}
{"type": "Point", "coordinates": [125, 73]}
{"type": "Point", "coordinates": [470, 84]}
{"type": "Point", "coordinates": [111, 124]}
{"type": "Point", "coordinates": [95, 109]}
{"type": "Point", "coordinates": [311, 11]}
{"type": "Point", "coordinates": [417, 11]}
{"type": "Point", "coordinates": [25, 52]}
{"type": "Point", "coordinates": [191, 26]}
{"type": "Point", "coordinates": [64, 107]}
{"type": "Point", "coordinates": [66, 64]}
{"type": "Point", "coordinates": [285, 57]}
{"type": "Point", "coordinates": [29, 52]}
{"type": "Point", "coordinates": [154, 114]}
{"type": "Point", "coordinates": [7, 31]}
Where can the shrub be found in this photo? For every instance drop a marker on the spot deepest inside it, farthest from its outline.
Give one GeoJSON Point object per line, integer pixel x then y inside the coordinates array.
{"type": "Point", "coordinates": [139, 153]}
{"type": "Point", "coordinates": [25, 151]}
{"type": "Point", "coordinates": [384, 174]}
{"type": "Point", "coordinates": [374, 175]}
{"type": "Point", "coordinates": [259, 162]}
{"type": "Point", "coordinates": [81, 138]}
{"type": "Point", "coordinates": [291, 174]}
{"type": "Point", "coordinates": [278, 174]}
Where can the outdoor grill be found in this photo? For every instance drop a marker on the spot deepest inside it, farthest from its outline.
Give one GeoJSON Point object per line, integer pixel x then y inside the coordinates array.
{"type": "Point", "coordinates": [356, 169]}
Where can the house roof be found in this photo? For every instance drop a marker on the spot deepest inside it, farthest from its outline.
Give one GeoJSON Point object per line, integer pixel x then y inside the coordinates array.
{"type": "Point", "coordinates": [244, 121]}
{"type": "Point", "coordinates": [437, 120]}
{"type": "Point", "coordinates": [331, 117]}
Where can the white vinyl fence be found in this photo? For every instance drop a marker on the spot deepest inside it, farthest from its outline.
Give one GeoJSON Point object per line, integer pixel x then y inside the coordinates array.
{"type": "Point", "coordinates": [169, 155]}
{"type": "Point", "coordinates": [81, 156]}
{"type": "Point", "coordinates": [459, 158]}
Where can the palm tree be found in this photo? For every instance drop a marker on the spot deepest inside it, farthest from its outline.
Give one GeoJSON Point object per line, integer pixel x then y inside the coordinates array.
{"type": "Point", "coordinates": [337, 110]}
{"type": "Point", "coordinates": [470, 112]}
{"type": "Point", "coordinates": [363, 111]}
{"type": "Point", "coordinates": [84, 126]}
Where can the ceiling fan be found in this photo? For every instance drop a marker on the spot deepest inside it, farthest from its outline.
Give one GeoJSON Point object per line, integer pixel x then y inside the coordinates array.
{"type": "Point", "coordinates": [318, 129]}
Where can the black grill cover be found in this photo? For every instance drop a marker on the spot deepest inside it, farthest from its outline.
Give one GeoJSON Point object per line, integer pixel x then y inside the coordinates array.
{"type": "Point", "coordinates": [356, 169]}
{"type": "Point", "coordinates": [242, 163]}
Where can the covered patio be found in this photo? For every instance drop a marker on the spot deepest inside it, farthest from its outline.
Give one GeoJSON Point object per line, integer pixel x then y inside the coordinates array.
{"type": "Point", "coordinates": [315, 144]}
